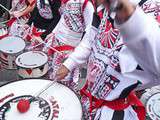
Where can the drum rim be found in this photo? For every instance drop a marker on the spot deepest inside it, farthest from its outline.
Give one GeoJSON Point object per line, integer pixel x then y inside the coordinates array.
{"type": "Point", "coordinates": [30, 67]}
{"type": "Point", "coordinates": [19, 67]}
{"type": "Point", "coordinates": [46, 80]}
{"type": "Point", "coordinates": [11, 54]}
{"type": "Point", "coordinates": [148, 100]}
{"type": "Point", "coordinates": [17, 52]}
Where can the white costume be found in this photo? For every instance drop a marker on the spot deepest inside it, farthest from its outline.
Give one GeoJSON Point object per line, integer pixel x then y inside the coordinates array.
{"type": "Point", "coordinates": [114, 73]}
{"type": "Point", "coordinates": [76, 19]}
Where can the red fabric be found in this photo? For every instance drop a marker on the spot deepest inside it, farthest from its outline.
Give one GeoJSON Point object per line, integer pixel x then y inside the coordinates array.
{"type": "Point", "coordinates": [158, 18]}
{"type": "Point", "coordinates": [84, 5]}
{"type": "Point", "coordinates": [35, 32]}
{"type": "Point", "coordinates": [32, 3]}
{"type": "Point", "coordinates": [11, 21]}
{"type": "Point", "coordinates": [60, 48]}
{"type": "Point", "coordinates": [64, 1]}
{"type": "Point", "coordinates": [28, 38]}
{"type": "Point", "coordinates": [3, 36]}
{"type": "Point", "coordinates": [118, 104]}
{"type": "Point", "coordinates": [100, 14]}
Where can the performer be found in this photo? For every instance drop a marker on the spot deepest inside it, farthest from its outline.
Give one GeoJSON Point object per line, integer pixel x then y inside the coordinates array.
{"type": "Point", "coordinates": [76, 18]}
{"type": "Point", "coordinates": [44, 18]}
{"type": "Point", "coordinates": [20, 14]}
{"type": "Point", "coordinates": [113, 73]}
{"type": "Point", "coordinates": [47, 15]}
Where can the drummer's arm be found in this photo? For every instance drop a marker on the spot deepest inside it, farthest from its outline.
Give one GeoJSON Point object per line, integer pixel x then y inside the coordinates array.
{"type": "Point", "coordinates": [82, 51]}
{"type": "Point", "coordinates": [141, 35]}
{"type": "Point", "coordinates": [79, 56]}
{"type": "Point", "coordinates": [27, 10]}
{"type": "Point", "coordinates": [88, 15]}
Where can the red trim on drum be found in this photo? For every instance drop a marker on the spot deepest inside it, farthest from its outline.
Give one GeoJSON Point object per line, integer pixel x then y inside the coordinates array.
{"type": "Point", "coordinates": [3, 36]}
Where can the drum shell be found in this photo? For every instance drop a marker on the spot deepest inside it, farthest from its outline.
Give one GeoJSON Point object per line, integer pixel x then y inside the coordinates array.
{"type": "Point", "coordinates": [147, 95]}
{"type": "Point", "coordinates": [28, 87]}
{"type": "Point", "coordinates": [3, 32]}
{"type": "Point", "coordinates": [8, 60]}
{"type": "Point", "coordinates": [33, 72]}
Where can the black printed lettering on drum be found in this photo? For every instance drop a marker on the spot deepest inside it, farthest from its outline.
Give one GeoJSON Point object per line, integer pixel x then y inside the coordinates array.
{"type": "Point", "coordinates": [55, 107]}
{"type": "Point", "coordinates": [6, 97]}
{"type": "Point", "coordinates": [46, 109]}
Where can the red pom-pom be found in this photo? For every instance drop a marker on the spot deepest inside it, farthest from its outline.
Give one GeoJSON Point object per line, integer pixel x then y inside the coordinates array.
{"type": "Point", "coordinates": [23, 106]}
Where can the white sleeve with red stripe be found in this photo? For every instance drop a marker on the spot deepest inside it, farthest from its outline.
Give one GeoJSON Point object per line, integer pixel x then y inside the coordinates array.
{"type": "Point", "coordinates": [141, 33]}
{"type": "Point", "coordinates": [82, 51]}
{"type": "Point", "coordinates": [88, 15]}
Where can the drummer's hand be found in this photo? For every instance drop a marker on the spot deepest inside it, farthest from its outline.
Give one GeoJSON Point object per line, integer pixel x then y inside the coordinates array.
{"type": "Point", "coordinates": [62, 73]}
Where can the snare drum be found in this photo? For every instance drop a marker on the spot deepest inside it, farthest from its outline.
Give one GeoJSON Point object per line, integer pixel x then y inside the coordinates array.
{"type": "Point", "coordinates": [58, 102]}
{"type": "Point", "coordinates": [151, 100]}
{"type": "Point", "coordinates": [10, 48]}
{"type": "Point", "coordinates": [32, 64]}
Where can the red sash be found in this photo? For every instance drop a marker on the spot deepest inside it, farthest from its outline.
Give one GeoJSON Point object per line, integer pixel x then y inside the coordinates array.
{"type": "Point", "coordinates": [60, 48]}
{"type": "Point", "coordinates": [118, 104]}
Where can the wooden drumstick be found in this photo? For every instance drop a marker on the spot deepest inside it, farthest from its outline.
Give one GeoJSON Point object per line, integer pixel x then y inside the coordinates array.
{"type": "Point", "coordinates": [42, 42]}
{"type": "Point", "coordinates": [4, 8]}
{"type": "Point", "coordinates": [45, 88]}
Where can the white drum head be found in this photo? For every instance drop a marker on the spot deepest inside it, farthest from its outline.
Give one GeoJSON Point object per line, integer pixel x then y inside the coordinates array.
{"type": "Point", "coordinates": [32, 59]}
{"type": "Point", "coordinates": [12, 45]}
{"type": "Point", "coordinates": [153, 107]}
{"type": "Point", "coordinates": [56, 103]}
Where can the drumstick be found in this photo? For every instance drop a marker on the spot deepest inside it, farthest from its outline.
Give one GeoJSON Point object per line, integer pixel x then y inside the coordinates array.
{"type": "Point", "coordinates": [41, 41]}
{"type": "Point", "coordinates": [45, 88]}
{"type": "Point", "coordinates": [4, 8]}
{"type": "Point", "coordinates": [35, 46]}
{"type": "Point", "coordinates": [7, 11]}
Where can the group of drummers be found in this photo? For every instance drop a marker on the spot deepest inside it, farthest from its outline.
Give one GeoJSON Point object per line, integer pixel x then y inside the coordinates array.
{"type": "Point", "coordinates": [115, 40]}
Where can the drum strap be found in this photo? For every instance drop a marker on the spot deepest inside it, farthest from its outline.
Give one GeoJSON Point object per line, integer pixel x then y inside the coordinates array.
{"type": "Point", "coordinates": [60, 48]}
{"type": "Point", "coordinates": [118, 104]}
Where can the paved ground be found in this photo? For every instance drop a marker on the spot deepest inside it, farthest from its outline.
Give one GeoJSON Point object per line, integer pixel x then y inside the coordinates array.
{"type": "Point", "coordinates": [7, 75]}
